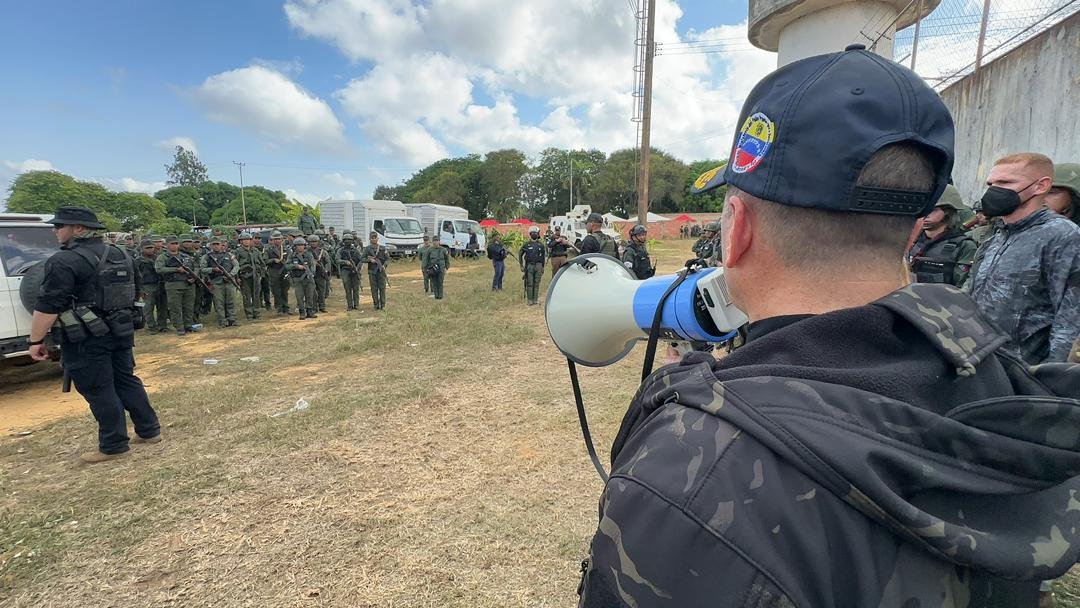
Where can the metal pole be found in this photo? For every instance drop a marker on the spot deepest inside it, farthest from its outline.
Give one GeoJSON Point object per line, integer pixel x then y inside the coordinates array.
{"type": "Point", "coordinates": [646, 115]}
{"type": "Point", "coordinates": [915, 40]}
{"type": "Point", "coordinates": [982, 34]}
{"type": "Point", "coordinates": [243, 204]}
{"type": "Point", "coordinates": [570, 159]}
{"type": "Point", "coordinates": [194, 206]}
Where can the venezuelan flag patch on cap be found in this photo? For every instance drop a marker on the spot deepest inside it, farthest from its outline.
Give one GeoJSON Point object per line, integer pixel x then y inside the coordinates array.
{"type": "Point", "coordinates": [755, 139]}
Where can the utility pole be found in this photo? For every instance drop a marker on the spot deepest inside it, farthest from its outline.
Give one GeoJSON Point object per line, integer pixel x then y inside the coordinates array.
{"type": "Point", "coordinates": [570, 159]}
{"type": "Point", "coordinates": [243, 204]}
{"type": "Point", "coordinates": [915, 39]}
{"type": "Point", "coordinates": [645, 151]}
{"type": "Point", "coordinates": [195, 222]}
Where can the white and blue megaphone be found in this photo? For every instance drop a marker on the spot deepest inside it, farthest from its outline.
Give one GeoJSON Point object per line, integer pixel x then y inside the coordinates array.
{"type": "Point", "coordinates": [596, 309]}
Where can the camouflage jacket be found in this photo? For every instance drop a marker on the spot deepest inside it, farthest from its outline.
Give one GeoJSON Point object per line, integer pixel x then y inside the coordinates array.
{"type": "Point", "coordinates": [250, 261]}
{"type": "Point", "coordinates": [703, 248]}
{"type": "Point", "coordinates": [349, 259]}
{"type": "Point", "coordinates": [214, 266]}
{"type": "Point", "coordinates": [870, 456]}
{"type": "Point", "coordinates": [1026, 281]}
{"type": "Point", "coordinates": [946, 259]}
{"type": "Point", "coordinates": [435, 256]}
{"type": "Point", "coordinates": [377, 252]}
{"type": "Point", "coordinates": [323, 261]}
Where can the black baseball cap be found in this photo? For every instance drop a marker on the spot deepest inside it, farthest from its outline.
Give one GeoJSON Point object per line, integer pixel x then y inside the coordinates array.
{"type": "Point", "coordinates": [807, 130]}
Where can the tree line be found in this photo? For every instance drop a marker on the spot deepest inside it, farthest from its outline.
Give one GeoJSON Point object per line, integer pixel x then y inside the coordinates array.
{"type": "Point", "coordinates": [505, 184]}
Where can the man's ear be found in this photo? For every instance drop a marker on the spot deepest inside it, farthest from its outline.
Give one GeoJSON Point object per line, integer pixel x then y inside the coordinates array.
{"type": "Point", "coordinates": [736, 239]}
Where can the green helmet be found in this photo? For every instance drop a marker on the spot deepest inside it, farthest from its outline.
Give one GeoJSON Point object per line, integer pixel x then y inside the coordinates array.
{"type": "Point", "coordinates": [1067, 175]}
{"type": "Point", "coordinates": [348, 237]}
{"type": "Point", "coordinates": [315, 238]}
{"type": "Point", "coordinates": [216, 241]}
{"type": "Point", "coordinates": [950, 199]}
{"type": "Point", "coordinates": [299, 241]}
{"type": "Point", "coordinates": [275, 234]}
{"type": "Point", "coordinates": [245, 235]}
{"type": "Point", "coordinates": [712, 227]}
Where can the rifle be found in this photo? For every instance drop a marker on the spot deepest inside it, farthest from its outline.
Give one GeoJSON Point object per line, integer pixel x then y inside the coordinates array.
{"type": "Point", "coordinates": [379, 264]}
{"type": "Point", "coordinates": [192, 275]}
{"type": "Point", "coordinates": [228, 277]}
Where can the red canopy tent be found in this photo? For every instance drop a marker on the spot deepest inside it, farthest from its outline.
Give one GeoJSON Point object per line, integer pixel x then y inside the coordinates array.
{"type": "Point", "coordinates": [489, 222]}
{"type": "Point", "coordinates": [524, 221]}
{"type": "Point", "coordinates": [685, 218]}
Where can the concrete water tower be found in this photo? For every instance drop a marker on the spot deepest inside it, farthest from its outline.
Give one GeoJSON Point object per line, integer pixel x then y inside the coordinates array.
{"type": "Point", "coordinates": [800, 28]}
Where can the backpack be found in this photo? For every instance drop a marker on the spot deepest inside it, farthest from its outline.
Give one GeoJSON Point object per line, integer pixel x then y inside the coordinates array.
{"type": "Point", "coordinates": [114, 279]}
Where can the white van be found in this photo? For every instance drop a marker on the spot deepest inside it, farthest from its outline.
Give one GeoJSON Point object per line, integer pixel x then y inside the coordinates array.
{"type": "Point", "coordinates": [25, 240]}
{"type": "Point", "coordinates": [573, 225]}
{"type": "Point", "coordinates": [401, 234]}
{"type": "Point", "coordinates": [451, 225]}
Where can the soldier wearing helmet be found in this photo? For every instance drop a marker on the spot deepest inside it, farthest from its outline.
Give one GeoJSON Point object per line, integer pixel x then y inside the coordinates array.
{"type": "Point", "coordinates": [705, 247]}
{"type": "Point", "coordinates": [300, 266]}
{"type": "Point", "coordinates": [943, 252]}
{"type": "Point", "coordinates": [635, 254]}
{"type": "Point", "coordinates": [251, 268]}
{"type": "Point", "coordinates": [531, 258]}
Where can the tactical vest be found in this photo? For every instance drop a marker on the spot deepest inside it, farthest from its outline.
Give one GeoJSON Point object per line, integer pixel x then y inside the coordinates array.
{"type": "Point", "coordinates": [607, 244]}
{"type": "Point", "coordinates": [176, 260]}
{"type": "Point", "coordinates": [303, 259]}
{"type": "Point", "coordinates": [113, 286]}
{"type": "Point", "coordinates": [937, 262]}
{"type": "Point", "coordinates": [640, 261]}
{"type": "Point", "coordinates": [147, 274]}
{"type": "Point", "coordinates": [534, 252]}
{"type": "Point", "coordinates": [350, 254]}
{"type": "Point", "coordinates": [223, 259]}
{"type": "Point", "coordinates": [248, 261]}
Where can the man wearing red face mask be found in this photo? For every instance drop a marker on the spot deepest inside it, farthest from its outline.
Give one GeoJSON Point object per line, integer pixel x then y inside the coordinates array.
{"type": "Point", "coordinates": [942, 252]}
{"type": "Point", "coordinates": [1026, 277]}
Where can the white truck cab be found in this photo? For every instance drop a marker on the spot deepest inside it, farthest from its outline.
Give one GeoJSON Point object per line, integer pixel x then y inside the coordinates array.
{"type": "Point", "coordinates": [25, 240]}
{"type": "Point", "coordinates": [450, 224]}
{"type": "Point", "coordinates": [400, 233]}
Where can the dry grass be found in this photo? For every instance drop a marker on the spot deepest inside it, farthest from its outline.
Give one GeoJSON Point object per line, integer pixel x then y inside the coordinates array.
{"type": "Point", "coordinates": [439, 464]}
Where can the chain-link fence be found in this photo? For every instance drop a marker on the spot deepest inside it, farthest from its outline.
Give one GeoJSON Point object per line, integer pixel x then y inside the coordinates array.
{"type": "Point", "coordinates": [961, 35]}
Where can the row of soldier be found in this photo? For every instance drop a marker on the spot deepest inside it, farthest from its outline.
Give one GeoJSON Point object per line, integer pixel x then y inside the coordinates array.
{"type": "Point", "coordinates": [181, 277]}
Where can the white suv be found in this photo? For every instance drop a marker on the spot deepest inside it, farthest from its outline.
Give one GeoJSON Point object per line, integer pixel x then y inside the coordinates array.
{"type": "Point", "coordinates": [25, 240]}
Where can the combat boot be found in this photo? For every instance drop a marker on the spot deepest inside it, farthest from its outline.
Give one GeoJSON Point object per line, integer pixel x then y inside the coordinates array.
{"type": "Point", "coordinates": [98, 456]}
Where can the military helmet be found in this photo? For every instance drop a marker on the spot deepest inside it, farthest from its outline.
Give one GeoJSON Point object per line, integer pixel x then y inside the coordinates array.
{"type": "Point", "coordinates": [275, 234]}
{"type": "Point", "coordinates": [535, 229]}
{"type": "Point", "coordinates": [299, 241]}
{"type": "Point", "coordinates": [172, 238]}
{"type": "Point", "coordinates": [1067, 175]}
{"type": "Point", "coordinates": [315, 238]}
{"type": "Point", "coordinates": [348, 237]}
{"type": "Point", "coordinates": [594, 218]}
{"type": "Point", "coordinates": [950, 199]}
{"type": "Point", "coordinates": [638, 230]}
{"type": "Point", "coordinates": [558, 228]}
{"type": "Point", "coordinates": [712, 227]}
{"type": "Point", "coordinates": [245, 235]}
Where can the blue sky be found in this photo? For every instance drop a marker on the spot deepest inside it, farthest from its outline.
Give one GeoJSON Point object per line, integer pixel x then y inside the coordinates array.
{"type": "Point", "coordinates": [332, 97]}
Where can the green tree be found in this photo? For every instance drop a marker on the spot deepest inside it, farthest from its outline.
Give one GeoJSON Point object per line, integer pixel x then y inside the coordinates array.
{"type": "Point", "coordinates": [616, 183]}
{"type": "Point", "coordinates": [500, 182]}
{"type": "Point", "coordinates": [263, 206]}
{"type": "Point", "coordinates": [186, 169]}
{"type": "Point", "coordinates": [183, 202]}
{"type": "Point", "coordinates": [170, 225]}
{"type": "Point", "coordinates": [45, 191]}
{"type": "Point", "coordinates": [389, 193]}
{"type": "Point", "coordinates": [294, 208]}
{"type": "Point", "coordinates": [546, 188]}
{"type": "Point", "coordinates": [447, 188]}
{"type": "Point", "coordinates": [135, 210]}
{"type": "Point", "coordinates": [463, 189]}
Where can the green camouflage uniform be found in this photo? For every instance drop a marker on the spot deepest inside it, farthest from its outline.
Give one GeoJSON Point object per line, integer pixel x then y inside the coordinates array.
{"type": "Point", "coordinates": [303, 281]}
{"type": "Point", "coordinates": [153, 294]}
{"type": "Point", "coordinates": [214, 267]}
{"type": "Point", "coordinates": [531, 258]}
{"type": "Point", "coordinates": [349, 262]}
{"type": "Point", "coordinates": [275, 270]}
{"type": "Point", "coordinates": [179, 288]}
{"type": "Point", "coordinates": [435, 257]}
{"type": "Point", "coordinates": [376, 273]}
{"type": "Point", "coordinates": [323, 263]}
{"type": "Point", "coordinates": [252, 268]}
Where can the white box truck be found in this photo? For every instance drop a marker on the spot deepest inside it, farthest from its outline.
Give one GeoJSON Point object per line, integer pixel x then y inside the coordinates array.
{"type": "Point", "coordinates": [450, 224]}
{"type": "Point", "coordinates": [401, 234]}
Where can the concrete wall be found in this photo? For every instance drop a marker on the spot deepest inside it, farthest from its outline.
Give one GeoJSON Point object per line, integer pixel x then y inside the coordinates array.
{"type": "Point", "coordinates": [1025, 101]}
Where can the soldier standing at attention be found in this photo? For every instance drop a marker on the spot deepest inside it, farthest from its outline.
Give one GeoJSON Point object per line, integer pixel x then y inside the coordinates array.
{"type": "Point", "coordinates": [189, 245]}
{"type": "Point", "coordinates": [435, 262]}
{"type": "Point", "coordinates": [376, 257]}
{"type": "Point", "coordinates": [531, 259]}
{"type": "Point", "coordinates": [420, 258]}
{"type": "Point", "coordinates": [217, 267]}
{"type": "Point", "coordinates": [90, 289]}
{"type": "Point", "coordinates": [943, 252]}
{"type": "Point", "coordinates": [249, 272]}
{"type": "Point", "coordinates": [175, 268]}
{"type": "Point", "coordinates": [557, 245]}
{"type": "Point", "coordinates": [151, 294]}
{"type": "Point", "coordinates": [300, 266]}
{"type": "Point", "coordinates": [321, 269]}
{"type": "Point", "coordinates": [349, 261]}
{"type": "Point", "coordinates": [306, 223]}
{"type": "Point", "coordinates": [275, 253]}
{"type": "Point", "coordinates": [597, 241]}
{"type": "Point", "coordinates": [496, 252]}
{"type": "Point", "coordinates": [635, 254]}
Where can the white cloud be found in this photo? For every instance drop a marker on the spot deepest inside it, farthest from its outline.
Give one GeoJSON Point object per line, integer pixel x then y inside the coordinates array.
{"type": "Point", "coordinates": [268, 104]}
{"type": "Point", "coordinates": [431, 60]}
{"type": "Point", "coordinates": [30, 164]}
{"type": "Point", "coordinates": [128, 184]}
{"type": "Point", "coordinates": [347, 195]}
{"type": "Point", "coordinates": [304, 197]}
{"type": "Point", "coordinates": [339, 180]}
{"type": "Point", "coordinates": [184, 142]}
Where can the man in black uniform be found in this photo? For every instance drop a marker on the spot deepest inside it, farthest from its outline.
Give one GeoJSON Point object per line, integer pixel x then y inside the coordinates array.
{"type": "Point", "coordinates": [872, 443]}
{"type": "Point", "coordinates": [90, 287]}
{"type": "Point", "coordinates": [531, 259]}
{"type": "Point", "coordinates": [597, 241]}
{"type": "Point", "coordinates": [635, 254]}
{"type": "Point", "coordinates": [943, 251]}
{"type": "Point", "coordinates": [496, 252]}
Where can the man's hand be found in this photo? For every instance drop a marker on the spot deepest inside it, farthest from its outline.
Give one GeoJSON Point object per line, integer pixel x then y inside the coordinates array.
{"type": "Point", "coordinates": [301, 267]}
{"type": "Point", "coordinates": [39, 352]}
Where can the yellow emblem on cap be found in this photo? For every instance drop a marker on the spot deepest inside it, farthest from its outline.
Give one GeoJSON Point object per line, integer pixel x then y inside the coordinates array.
{"type": "Point", "coordinates": [706, 177]}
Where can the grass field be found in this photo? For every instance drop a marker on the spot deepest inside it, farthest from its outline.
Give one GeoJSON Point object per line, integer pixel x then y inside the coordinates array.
{"type": "Point", "coordinates": [439, 464]}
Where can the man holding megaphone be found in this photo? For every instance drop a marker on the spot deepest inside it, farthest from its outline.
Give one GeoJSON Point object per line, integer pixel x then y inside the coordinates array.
{"type": "Point", "coordinates": [872, 443]}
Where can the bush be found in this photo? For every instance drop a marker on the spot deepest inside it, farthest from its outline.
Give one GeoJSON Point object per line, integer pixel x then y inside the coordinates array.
{"type": "Point", "coordinates": [513, 240]}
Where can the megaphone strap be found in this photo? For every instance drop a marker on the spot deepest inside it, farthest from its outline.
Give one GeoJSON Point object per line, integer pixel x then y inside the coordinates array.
{"type": "Point", "coordinates": [585, 422]}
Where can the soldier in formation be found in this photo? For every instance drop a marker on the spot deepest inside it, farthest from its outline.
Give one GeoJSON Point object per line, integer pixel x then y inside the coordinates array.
{"type": "Point", "coordinates": [943, 252]}
{"type": "Point", "coordinates": [376, 257]}
{"type": "Point", "coordinates": [349, 262]}
{"type": "Point", "coordinates": [251, 267]}
{"type": "Point", "coordinates": [176, 269]}
{"type": "Point", "coordinates": [636, 255]}
{"type": "Point", "coordinates": [705, 247]}
{"type": "Point", "coordinates": [531, 258]}
{"type": "Point", "coordinates": [420, 259]}
{"type": "Point", "coordinates": [276, 254]}
{"type": "Point", "coordinates": [323, 264]}
{"type": "Point", "coordinates": [153, 290]}
{"type": "Point", "coordinates": [219, 268]}
{"type": "Point", "coordinates": [435, 261]}
{"type": "Point", "coordinates": [300, 267]}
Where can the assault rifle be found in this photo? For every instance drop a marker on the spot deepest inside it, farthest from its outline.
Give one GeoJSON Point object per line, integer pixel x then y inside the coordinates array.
{"type": "Point", "coordinates": [224, 273]}
{"type": "Point", "coordinates": [192, 275]}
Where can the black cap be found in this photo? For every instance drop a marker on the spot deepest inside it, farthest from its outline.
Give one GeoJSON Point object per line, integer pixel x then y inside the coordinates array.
{"type": "Point", "coordinates": [75, 216]}
{"type": "Point", "coordinates": [594, 218]}
{"type": "Point", "coordinates": [807, 130]}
